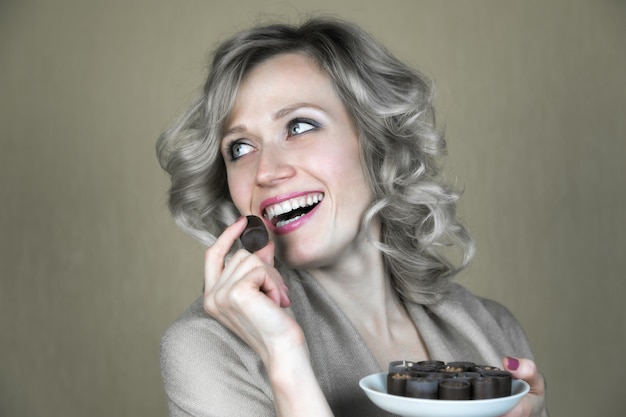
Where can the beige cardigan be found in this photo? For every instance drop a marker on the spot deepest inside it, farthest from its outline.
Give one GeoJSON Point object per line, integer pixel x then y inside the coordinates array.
{"type": "Point", "coordinates": [208, 371]}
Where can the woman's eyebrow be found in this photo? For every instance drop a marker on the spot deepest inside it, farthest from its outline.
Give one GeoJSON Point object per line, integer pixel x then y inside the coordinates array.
{"type": "Point", "coordinates": [234, 129]}
{"type": "Point", "coordinates": [290, 109]}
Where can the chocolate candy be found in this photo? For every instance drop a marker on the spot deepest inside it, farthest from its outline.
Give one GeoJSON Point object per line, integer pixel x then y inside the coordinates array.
{"type": "Point", "coordinates": [255, 235]}
{"type": "Point", "coordinates": [400, 366]}
{"type": "Point", "coordinates": [460, 366]}
{"type": "Point", "coordinates": [504, 379]}
{"type": "Point", "coordinates": [467, 376]}
{"type": "Point", "coordinates": [480, 368]}
{"type": "Point", "coordinates": [454, 389]}
{"type": "Point", "coordinates": [424, 368]}
{"type": "Point", "coordinates": [484, 388]}
{"type": "Point", "coordinates": [447, 381]}
{"type": "Point", "coordinates": [422, 388]}
{"type": "Point", "coordinates": [432, 363]}
{"type": "Point", "coordinates": [396, 383]}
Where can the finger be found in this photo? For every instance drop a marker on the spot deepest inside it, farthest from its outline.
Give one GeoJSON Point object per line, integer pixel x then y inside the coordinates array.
{"type": "Point", "coordinates": [527, 370]}
{"type": "Point", "coordinates": [266, 253]}
{"type": "Point", "coordinates": [257, 274]}
{"type": "Point", "coordinates": [215, 255]}
{"type": "Point", "coordinates": [275, 288]}
{"type": "Point", "coordinates": [532, 404]}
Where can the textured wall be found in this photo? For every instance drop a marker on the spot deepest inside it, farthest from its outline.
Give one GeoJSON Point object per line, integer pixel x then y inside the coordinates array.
{"type": "Point", "coordinates": [92, 269]}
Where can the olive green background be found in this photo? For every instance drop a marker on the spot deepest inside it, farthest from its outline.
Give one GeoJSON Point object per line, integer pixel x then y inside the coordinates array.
{"type": "Point", "coordinates": [92, 269]}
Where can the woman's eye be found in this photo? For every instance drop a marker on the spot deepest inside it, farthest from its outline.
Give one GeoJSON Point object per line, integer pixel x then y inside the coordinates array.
{"type": "Point", "coordinates": [239, 149]}
{"type": "Point", "coordinates": [297, 127]}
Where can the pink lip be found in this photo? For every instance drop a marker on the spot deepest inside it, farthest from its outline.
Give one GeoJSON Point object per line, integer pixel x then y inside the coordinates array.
{"type": "Point", "coordinates": [293, 225]}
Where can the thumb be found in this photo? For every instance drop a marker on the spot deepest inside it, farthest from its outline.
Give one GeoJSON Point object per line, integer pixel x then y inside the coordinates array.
{"type": "Point", "coordinates": [527, 370]}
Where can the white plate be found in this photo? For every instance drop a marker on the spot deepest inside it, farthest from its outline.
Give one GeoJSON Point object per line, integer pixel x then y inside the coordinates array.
{"type": "Point", "coordinates": [375, 386]}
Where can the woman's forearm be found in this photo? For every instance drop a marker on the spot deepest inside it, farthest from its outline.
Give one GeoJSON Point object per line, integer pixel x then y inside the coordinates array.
{"type": "Point", "coordinates": [296, 390]}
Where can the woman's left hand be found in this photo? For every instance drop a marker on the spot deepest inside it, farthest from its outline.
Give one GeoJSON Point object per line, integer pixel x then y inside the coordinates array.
{"type": "Point", "coordinates": [534, 403]}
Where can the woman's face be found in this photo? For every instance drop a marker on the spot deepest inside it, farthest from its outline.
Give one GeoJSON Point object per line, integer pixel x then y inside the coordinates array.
{"type": "Point", "coordinates": [292, 157]}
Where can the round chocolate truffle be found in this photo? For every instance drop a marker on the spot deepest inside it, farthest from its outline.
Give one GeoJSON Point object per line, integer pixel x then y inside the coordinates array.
{"type": "Point", "coordinates": [255, 235]}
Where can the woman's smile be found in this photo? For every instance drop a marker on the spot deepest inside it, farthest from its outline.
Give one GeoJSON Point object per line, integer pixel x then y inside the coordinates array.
{"type": "Point", "coordinates": [288, 213]}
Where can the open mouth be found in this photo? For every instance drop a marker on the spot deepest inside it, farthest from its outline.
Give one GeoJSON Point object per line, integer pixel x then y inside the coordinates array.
{"type": "Point", "coordinates": [291, 210]}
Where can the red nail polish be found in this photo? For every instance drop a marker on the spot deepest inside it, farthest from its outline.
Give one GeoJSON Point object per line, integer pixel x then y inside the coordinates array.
{"type": "Point", "coordinates": [512, 363]}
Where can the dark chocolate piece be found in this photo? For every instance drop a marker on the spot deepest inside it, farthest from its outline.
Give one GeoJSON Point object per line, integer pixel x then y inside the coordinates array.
{"type": "Point", "coordinates": [467, 376]}
{"type": "Point", "coordinates": [400, 366]}
{"type": "Point", "coordinates": [396, 383]}
{"type": "Point", "coordinates": [422, 388]}
{"type": "Point", "coordinates": [255, 235]}
{"type": "Point", "coordinates": [451, 369]}
{"type": "Point", "coordinates": [505, 381]}
{"type": "Point", "coordinates": [480, 368]}
{"type": "Point", "coordinates": [484, 388]}
{"type": "Point", "coordinates": [458, 366]}
{"type": "Point", "coordinates": [434, 363]}
{"type": "Point", "coordinates": [438, 375]}
{"type": "Point", "coordinates": [424, 368]}
{"type": "Point", "coordinates": [453, 389]}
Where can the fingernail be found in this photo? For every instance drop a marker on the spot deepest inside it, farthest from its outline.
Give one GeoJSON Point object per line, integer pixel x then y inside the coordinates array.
{"type": "Point", "coordinates": [512, 363]}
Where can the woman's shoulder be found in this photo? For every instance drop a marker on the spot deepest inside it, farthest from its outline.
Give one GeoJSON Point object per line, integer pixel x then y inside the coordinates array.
{"type": "Point", "coordinates": [201, 364]}
{"type": "Point", "coordinates": [487, 313]}
{"type": "Point", "coordinates": [460, 295]}
{"type": "Point", "coordinates": [196, 334]}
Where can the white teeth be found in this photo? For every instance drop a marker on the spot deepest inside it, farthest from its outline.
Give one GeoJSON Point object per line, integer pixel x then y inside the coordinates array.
{"type": "Point", "coordinates": [284, 222]}
{"type": "Point", "coordinates": [290, 205]}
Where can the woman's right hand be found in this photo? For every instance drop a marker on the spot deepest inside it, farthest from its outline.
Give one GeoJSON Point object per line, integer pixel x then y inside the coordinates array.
{"type": "Point", "coordinates": [247, 295]}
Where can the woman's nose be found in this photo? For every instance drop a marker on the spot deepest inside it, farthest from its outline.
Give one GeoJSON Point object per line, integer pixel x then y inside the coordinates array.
{"type": "Point", "coordinates": [273, 167]}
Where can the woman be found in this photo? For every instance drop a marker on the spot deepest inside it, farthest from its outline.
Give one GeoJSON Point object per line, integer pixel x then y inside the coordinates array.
{"type": "Point", "coordinates": [321, 132]}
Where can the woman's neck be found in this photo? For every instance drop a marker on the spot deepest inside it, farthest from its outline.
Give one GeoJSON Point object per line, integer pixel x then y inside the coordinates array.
{"type": "Point", "coordinates": [362, 288]}
{"type": "Point", "coordinates": [359, 283]}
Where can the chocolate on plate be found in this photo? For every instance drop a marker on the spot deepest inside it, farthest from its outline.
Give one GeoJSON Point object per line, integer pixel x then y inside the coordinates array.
{"type": "Point", "coordinates": [400, 366]}
{"type": "Point", "coordinates": [422, 387]}
{"type": "Point", "coordinates": [484, 388]}
{"type": "Point", "coordinates": [396, 383]}
{"type": "Point", "coordinates": [504, 379]}
{"type": "Point", "coordinates": [447, 381]}
{"type": "Point", "coordinates": [455, 389]}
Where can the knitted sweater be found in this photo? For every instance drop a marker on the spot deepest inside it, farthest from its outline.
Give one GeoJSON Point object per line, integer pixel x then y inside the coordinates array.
{"type": "Point", "coordinates": [209, 371]}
